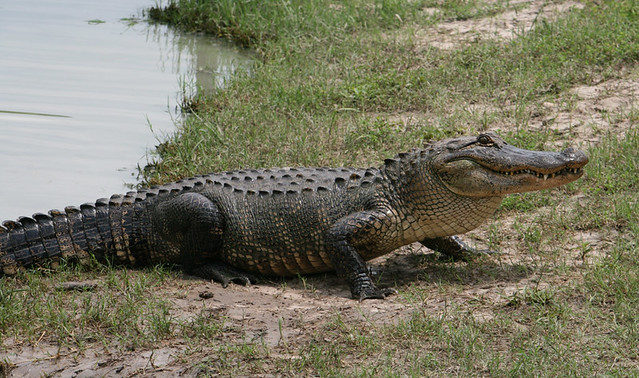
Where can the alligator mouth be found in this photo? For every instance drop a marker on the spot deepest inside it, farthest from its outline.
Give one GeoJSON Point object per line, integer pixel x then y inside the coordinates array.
{"type": "Point", "coordinates": [541, 175]}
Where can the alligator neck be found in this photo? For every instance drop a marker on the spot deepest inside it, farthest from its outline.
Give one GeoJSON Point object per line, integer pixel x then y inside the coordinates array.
{"type": "Point", "coordinates": [431, 210]}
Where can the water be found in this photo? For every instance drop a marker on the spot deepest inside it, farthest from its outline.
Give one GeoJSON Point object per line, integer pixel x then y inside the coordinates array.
{"type": "Point", "coordinates": [86, 93]}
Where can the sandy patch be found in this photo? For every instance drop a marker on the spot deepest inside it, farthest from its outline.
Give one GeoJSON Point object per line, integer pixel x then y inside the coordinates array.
{"type": "Point", "coordinates": [287, 314]}
{"type": "Point", "coordinates": [592, 111]}
{"type": "Point", "coordinates": [506, 25]}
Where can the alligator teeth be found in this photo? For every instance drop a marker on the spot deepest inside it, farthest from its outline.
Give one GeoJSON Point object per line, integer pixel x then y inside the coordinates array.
{"type": "Point", "coordinates": [544, 176]}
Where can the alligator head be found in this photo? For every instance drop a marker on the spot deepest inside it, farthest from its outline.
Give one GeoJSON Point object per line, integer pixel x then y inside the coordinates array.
{"type": "Point", "coordinates": [487, 166]}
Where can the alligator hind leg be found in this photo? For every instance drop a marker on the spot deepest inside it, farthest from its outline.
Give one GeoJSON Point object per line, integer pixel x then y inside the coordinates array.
{"type": "Point", "coordinates": [191, 226]}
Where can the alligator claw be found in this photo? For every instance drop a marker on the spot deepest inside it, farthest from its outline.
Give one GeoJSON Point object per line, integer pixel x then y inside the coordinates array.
{"type": "Point", "coordinates": [466, 255]}
{"type": "Point", "coordinates": [375, 293]}
{"type": "Point", "coordinates": [453, 248]}
{"type": "Point", "coordinates": [244, 280]}
{"type": "Point", "coordinates": [224, 274]}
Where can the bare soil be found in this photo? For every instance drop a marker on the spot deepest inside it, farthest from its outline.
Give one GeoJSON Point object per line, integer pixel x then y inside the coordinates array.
{"type": "Point", "coordinates": [286, 314]}
{"type": "Point", "coordinates": [506, 25]}
{"type": "Point", "coordinates": [592, 111]}
{"type": "Point", "coordinates": [282, 315]}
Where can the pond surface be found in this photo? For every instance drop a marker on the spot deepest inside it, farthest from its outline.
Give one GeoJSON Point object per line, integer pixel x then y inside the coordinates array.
{"type": "Point", "coordinates": [86, 90]}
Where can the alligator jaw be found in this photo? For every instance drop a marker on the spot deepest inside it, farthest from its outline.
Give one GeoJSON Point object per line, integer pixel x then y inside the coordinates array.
{"type": "Point", "coordinates": [533, 178]}
{"type": "Point", "coordinates": [564, 173]}
{"type": "Point", "coordinates": [495, 168]}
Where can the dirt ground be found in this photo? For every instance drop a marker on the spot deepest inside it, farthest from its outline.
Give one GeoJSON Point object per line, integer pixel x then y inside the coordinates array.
{"type": "Point", "coordinates": [279, 314]}
{"type": "Point", "coordinates": [506, 25]}
{"type": "Point", "coordinates": [287, 314]}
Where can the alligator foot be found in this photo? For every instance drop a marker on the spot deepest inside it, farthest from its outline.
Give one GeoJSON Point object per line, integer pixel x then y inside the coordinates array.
{"type": "Point", "coordinates": [364, 288]}
{"type": "Point", "coordinates": [224, 274]}
{"type": "Point", "coordinates": [374, 293]}
{"type": "Point", "coordinates": [454, 249]}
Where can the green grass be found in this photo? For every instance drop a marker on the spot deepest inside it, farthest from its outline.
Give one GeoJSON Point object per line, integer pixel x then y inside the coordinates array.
{"type": "Point", "coordinates": [349, 83]}
{"type": "Point", "coordinates": [327, 90]}
{"type": "Point", "coordinates": [254, 22]}
{"type": "Point", "coordinates": [123, 308]}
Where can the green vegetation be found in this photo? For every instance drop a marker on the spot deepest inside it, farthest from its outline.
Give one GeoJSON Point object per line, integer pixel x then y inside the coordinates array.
{"type": "Point", "coordinates": [332, 84]}
{"type": "Point", "coordinates": [255, 22]}
{"type": "Point", "coordinates": [349, 83]}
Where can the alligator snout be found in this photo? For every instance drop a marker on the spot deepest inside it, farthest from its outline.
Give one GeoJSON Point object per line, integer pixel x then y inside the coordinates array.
{"type": "Point", "coordinates": [576, 156]}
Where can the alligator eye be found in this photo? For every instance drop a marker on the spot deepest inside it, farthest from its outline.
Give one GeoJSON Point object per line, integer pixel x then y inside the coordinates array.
{"type": "Point", "coordinates": [484, 139]}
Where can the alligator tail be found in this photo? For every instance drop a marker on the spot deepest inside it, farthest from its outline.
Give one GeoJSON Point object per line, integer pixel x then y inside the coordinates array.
{"type": "Point", "coordinates": [106, 229]}
{"type": "Point", "coordinates": [118, 229]}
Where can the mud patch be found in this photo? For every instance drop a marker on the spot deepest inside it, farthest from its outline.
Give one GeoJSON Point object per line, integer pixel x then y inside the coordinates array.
{"type": "Point", "coordinates": [50, 360]}
{"type": "Point", "coordinates": [504, 26]}
{"type": "Point", "coordinates": [592, 111]}
{"type": "Point", "coordinates": [281, 316]}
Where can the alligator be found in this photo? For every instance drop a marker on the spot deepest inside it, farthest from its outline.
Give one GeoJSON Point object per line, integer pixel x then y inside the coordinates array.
{"type": "Point", "coordinates": [237, 225]}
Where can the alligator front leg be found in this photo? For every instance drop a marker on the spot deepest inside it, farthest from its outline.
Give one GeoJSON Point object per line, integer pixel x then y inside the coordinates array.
{"type": "Point", "coordinates": [453, 247]}
{"type": "Point", "coordinates": [356, 229]}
